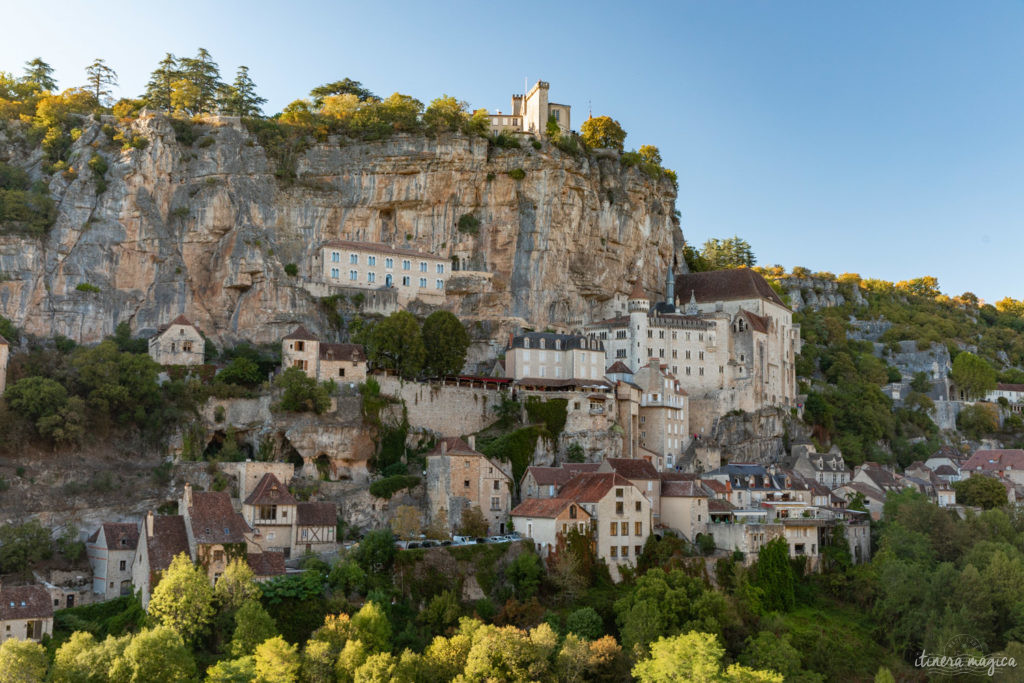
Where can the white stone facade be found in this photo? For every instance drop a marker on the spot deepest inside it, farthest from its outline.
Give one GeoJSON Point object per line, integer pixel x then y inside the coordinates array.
{"type": "Point", "coordinates": [373, 266]}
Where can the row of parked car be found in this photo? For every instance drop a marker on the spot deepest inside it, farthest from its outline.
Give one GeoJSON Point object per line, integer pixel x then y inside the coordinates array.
{"type": "Point", "coordinates": [457, 540]}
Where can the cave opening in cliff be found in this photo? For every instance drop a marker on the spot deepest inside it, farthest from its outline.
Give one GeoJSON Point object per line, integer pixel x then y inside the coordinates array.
{"type": "Point", "coordinates": [289, 454]}
{"type": "Point", "coordinates": [323, 466]}
{"type": "Point", "coordinates": [227, 446]}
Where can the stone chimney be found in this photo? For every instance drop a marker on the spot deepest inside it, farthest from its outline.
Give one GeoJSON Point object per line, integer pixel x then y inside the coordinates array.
{"type": "Point", "coordinates": [149, 524]}
{"type": "Point", "coordinates": [471, 440]}
{"type": "Point", "coordinates": [444, 447]}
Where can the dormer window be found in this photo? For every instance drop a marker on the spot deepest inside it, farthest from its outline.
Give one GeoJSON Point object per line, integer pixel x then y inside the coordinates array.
{"type": "Point", "coordinates": [526, 342]}
{"type": "Point", "coordinates": [558, 344]}
{"type": "Point", "coordinates": [542, 343]}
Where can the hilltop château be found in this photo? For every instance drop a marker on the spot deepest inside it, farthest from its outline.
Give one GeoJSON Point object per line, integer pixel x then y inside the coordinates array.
{"type": "Point", "coordinates": [530, 113]}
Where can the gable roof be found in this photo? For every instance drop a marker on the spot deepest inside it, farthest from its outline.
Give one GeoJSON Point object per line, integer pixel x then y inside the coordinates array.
{"type": "Point", "coordinates": [455, 446]}
{"type": "Point", "coordinates": [25, 602]}
{"type": "Point", "coordinates": [270, 491]}
{"type": "Point", "coordinates": [267, 563]}
{"type": "Point", "coordinates": [757, 322]}
{"type": "Point", "coordinates": [543, 507]}
{"type": "Point", "coordinates": [994, 460]}
{"type": "Point", "coordinates": [180, 320]}
{"type": "Point", "coordinates": [301, 333]}
{"type": "Point", "coordinates": [120, 535]}
{"type": "Point", "coordinates": [214, 519]}
{"type": "Point", "coordinates": [591, 487]}
{"type": "Point", "coordinates": [633, 468]}
{"type": "Point", "coordinates": [317, 514]}
{"type": "Point", "coordinates": [683, 489]}
{"type": "Point", "coordinates": [549, 476]}
{"type": "Point", "coordinates": [638, 291]}
{"type": "Point", "coordinates": [725, 285]}
{"type": "Point", "coordinates": [381, 248]}
{"type": "Point", "coordinates": [349, 352]}
{"type": "Point", "coordinates": [618, 368]}
{"type": "Point", "coordinates": [169, 539]}
{"type": "Point", "coordinates": [720, 505]}
{"type": "Point", "coordinates": [999, 387]}
{"type": "Point", "coordinates": [881, 477]}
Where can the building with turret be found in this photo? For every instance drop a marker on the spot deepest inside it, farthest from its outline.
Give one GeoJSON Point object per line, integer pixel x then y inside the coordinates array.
{"type": "Point", "coordinates": [732, 346]}
{"type": "Point", "coordinates": [530, 113]}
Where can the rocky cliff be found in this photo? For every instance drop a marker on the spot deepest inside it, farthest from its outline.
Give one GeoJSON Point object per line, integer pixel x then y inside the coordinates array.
{"type": "Point", "coordinates": [199, 225]}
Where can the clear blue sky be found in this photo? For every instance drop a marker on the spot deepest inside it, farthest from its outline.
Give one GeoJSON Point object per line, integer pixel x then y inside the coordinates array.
{"type": "Point", "coordinates": [885, 138]}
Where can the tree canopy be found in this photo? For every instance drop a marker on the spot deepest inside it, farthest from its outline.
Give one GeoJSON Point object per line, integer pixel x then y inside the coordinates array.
{"type": "Point", "coordinates": [603, 131]}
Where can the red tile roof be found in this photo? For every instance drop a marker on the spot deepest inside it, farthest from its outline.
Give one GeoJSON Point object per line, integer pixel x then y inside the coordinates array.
{"type": "Point", "coordinates": [757, 323]}
{"type": "Point", "coordinates": [548, 476]}
{"type": "Point", "coordinates": [544, 507]}
{"type": "Point", "coordinates": [633, 468]}
{"type": "Point", "coordinates": [638, 291]}
{"type": "Point", "coordinates": [214, 519]}
{"type": "Point", "coordinates": [719, 505]}
{"type": "Point", "coordinates": [455, 445]}
{"type": "Point", "coordinates": [725, 285]}
{"type": "Point", "coordinates": [618, 368]}
{"type": "Point", "coordinates": [169, 539]}
{"type": "Point", "coordinates": [180, 320]}
{"type": "Point", "coordinates": [575, 468]}
{"type": "Point", "coordinates": [121, 535]}
{"type": "Point", "coordinates": [716, 486]}
{"type": "Point", "coordinates": [267, 563]}
{"type": "Point", "coordinates": [683, 489]}
{"type": "Point", "coordinates": [301, 333]}
{"type": "Point", "coordinates": [999, 387]}
{"type": "Point", "coordinates": [25, 602]}
{"type": "Point", "coordinates": [349, 352]}
{"type": "Point", "coordinates": [995, 460]}
{"type": "Point", "coordinates": [270, 491]}
{"type": "Point", "coordinates": [591, 487]}
{"type": "Point", "coordinates": [672, 475]}
{"type": "Point", "coordinates": [317, 514]}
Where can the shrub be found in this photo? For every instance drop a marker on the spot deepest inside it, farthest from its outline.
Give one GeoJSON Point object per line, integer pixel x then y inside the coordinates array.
{"type": "Point", "coordinates": [218, 414]}
{"type": "Point", "coordinates": [206, 141]}
{"type": "Point", "coordinates": [389, 486]}
{"type": "Point", "coordinates": [87, 287]}
{"type": "Point", "coordinates": [490, 177]}
{"type": "Point", "coordinates": [291, 269]}
{"type": "Point", "coordinates": [98, 165]}
{"type": "Point", "coordinates": [517, 174]}
{"type": "Point", "coordinates": [469, 223]}
{"type": "Point", "coordinates": [135, 142]}
{"type": "Point", "coordinates": [536, 144]}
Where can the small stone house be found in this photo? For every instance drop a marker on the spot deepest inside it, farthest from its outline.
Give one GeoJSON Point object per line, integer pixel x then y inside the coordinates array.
{"type": "Point", "coordinates": [5, 352]}
{"type": "Point", "coordinates": [621, 513]}
{"type": "Point", "coordinates": [545, 520]}
{"type": "Point", "coordinates": [460, 478]}
{"type": "Point", "coordinates": [111, 551]}
{"type": "Point", "coordinates": [178, 343]}
{"type": "Point", "coordinates": [26, 613]}
{"type": "Point", "coordinates": [545, 482]}
{"type": "Point", "coordinates": [641, 474]}
{"type": "Point", "coordinates": [316, 525]}
{"type": "Point", "coordinates": [270, 511]}
{"type": "Point", "coordinates": [161, 538]}
{"type": "Point", "coordinates": [216, 533]}
{"type": "Point", "coordinates": [322, 361]}
{"type": "Point", "coordinates": [684, 507]}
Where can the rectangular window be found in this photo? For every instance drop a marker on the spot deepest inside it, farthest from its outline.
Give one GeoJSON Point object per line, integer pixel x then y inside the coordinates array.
{"type": "Point", "coordinates": [624, 529]}
{"type": "Point", "coordinates": [389, 262]}
{"type": "Point", "coordinates": [650, 334]}
{"type": "Point", "coordinates": [335, 257]}
{"type": "Point", "coordinates": [371, 260]}
{"type": "Point", "coordinates": [675, 353]}
{"type": "Point", "coordinates": [619, 492]}
{"type": "Point", "coordinates": [661, 334]}
{"type": "Point", "coordinates": [700, 371]}
{"type": "Point", "coordinates": [353, 259]}
{"type": "Point", "coordinates": [440, 268]}
{"type": "Point", "coordinates": [637, 549]}
{"type": "Point", "coordinates": [439, 284]}
{"type": "Point", "coordinates": [638, 528]}
{"type": "Point", "coordinates": [405, 280]}
{"type": "Point", "coordinates": [495, 503]}
{"type": "Point", "coordinates": [353, 275]}
{"type": "Point", "coordinates": [618, 508]}
{"type": "Point", "coordinates": [687, 370]}
{"type": "Point", "coordinates": [620, 353]}
{"type": "Point", "coordinates": [123, 565]}
{"type": "Point", "coordinates": [423, 282]}
{"type": "Point", "coordinates": [614, 551]}
{"type": "Point", "coordinates": [406, 265]}
{"type": "Point", "coordinates": [497, 484]}
{"type": "Point", "coordinates": [423, 266]}
{"type": "Point", "coordinates": [661, 353]}
{"type": "Point", "coordinates": [371, 277]}
{"type": "Point", "coordinates": [638, 506]}
{"type": "Point", "coordinates": [687, 355]}
{"type": "Point", "coordinates": [465, 483]}
{"type": "Point", "coordinates": [614, 529]}
{"type": "Point", "coordinates": [335, 273]}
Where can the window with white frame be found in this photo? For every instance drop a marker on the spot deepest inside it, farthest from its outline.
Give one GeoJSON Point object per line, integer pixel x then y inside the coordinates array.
{"type": "Point", "coordinates": [440, 284]}
{"type": "Point", "coordinates": [335, 274]}
{"type": "Point", "coordinates": [423, 266]}
{"type": "Point", "coordinates": [371, 260]}
{"type": "Point", "coordinates": [423, 282]}
{"type": "Point", "coordinates": [440, 268]}
{"type": "Point", "coordinates": [406, 265]}
{"type": "Point", "coordinates": [389, 262]}
{"type": "Point", "coordinates": [371, 277]}
{"type": "Point", "coordinates": [335, 257]}
{"type": "Point", "coordinates": [353, 259]}
{"type": "Point", "coordinates": [353, 275]}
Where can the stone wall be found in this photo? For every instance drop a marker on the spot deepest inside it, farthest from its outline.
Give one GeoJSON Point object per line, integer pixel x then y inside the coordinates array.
{"type": "Point", "coordinates": [446, 410]}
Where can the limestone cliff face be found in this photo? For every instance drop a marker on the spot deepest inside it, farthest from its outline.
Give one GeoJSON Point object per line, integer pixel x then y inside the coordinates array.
{"type": "Point", "coordinates": [205, 229]}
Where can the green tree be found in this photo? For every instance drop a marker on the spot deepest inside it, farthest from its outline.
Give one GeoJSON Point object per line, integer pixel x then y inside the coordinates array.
{"type": "Point", "coordinates": [277, 661]}
{"type": "Point", "coordinates": [241, 370]}
{"type": "Point", "coordinates": [973, 375]}
{"type": "Point", "coordinates": [978, 420]}
{"type": "Point", "coordinates": [302, 393]}
{"type": "Point", "coordinates": [241, 670]}
{"type": "Point", "coordinates": [694, 657]}
{"type": "Point", "coordinates": [650, 154]}
{"type": "Point", "coordinates": [775, 575]}
{"type": "Point", "coordinates": [36, 397]}
{"type": "Point", "coordinates": [441, 612]}
{"type": "Point", "coordinates": [733, 252]}
{"type": "Point", "coordinates": [253, 626]}
{"type": "Point", "coordinates": [586, 623]}
{"type": "Point", "coordinates": [397, 343]}
{"type": "Point", "coordinates": [157, 655]}
{"type": "Point", "coordinates": [770, 651]}
{"type": "Point", "coordinates": [602, 132]}
{"type": "Point", "coordinates": [183, 598]}
{"type": "Point", "coordinates": [445, 342]}
{"type": "Point", "coordinates": [981, 491]}
{"type": "Point", "coordinates": [524, 573]}
{"type": "Point", "coordinates": [237, 585]}
{"type": "Point", "coordinates": [161, 83]}
{"type": "Point", "coordinates": [371, 626]}
{"type": "Point", "coordinates": [22, 661]}
{"type": "Point", "coordinates": [100, 78]}
{"type": "Point", "coordinates": [552, 129]}
{"type": "Point", "coordinates": [40, 74]}
{"type": "Point", "coordinates": [240, 98]}
{"type": "Point", "coordinates": [375, 554]}
{"type": "Point", "coordinates": [7, 329]}
{"type": "Point", "coordinates": [445, 113]}
{"type": "Point", "coordinates": [346, 86]}
{"type": "Point", "coordinates": [473, 522]}
{"type": "Point", "coordinates": [202, 76]}
{"type": "Point", "coordinates": [23, 545]}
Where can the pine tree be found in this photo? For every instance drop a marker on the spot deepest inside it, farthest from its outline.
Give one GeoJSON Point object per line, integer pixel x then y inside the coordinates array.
{"type": "Point", "coordinates": [41, 74]}
{"type": "Point", "coordinates": [203, 74]}
{"type": "Point", "coordinates": [161, 81]}
{"type": "Point", "coordinates": [100, 77]}
{"type": "Point", "coordinates": [240, 98]}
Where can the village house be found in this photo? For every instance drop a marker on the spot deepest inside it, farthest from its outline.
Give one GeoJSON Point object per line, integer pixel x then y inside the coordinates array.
{"type": "Point", "coordinates": [873, 498]}
{"type": "Point", "coordinates": [732, 347]}
{"type": "Point", "coordinates": [621, 513]}
{"type": "Point", "coordinates": [111, 551]}
{"type": "Point", "coordinates": [216, 533]}
{"type": "Point", "coordinates": [546, 355]}
{"type": "Point", "coordinates": [548, 520]}
{"type": "Point", "coordinates": [178, 343]}
{"type": "Point", "coordinates": [459, 478]}
{"type": "Point", "coordinates": [545, 482]}
{"type": "Point", "coordinates": [161, 538]}
{"type": "Point", "coordinates": [316, 525]}
{"type": "Point", "coordinates": [828, 469]}
{"type": "Point", "coordinates": [1013, 393]}
{"type": "Point", "coordinates": [531, 112]}
{"type": "Point", "coordinates": [26, 613]}
{"type": "Point", "coordinates": [370, 265]}
{"type": "Point", "coordinates": [1007, 463]}
{"type": "Point", "coordinates": [663, 414]}
{"type": "Point", "coordinates": [684, 507]}
{"type": "Point", "coordinates": [642, 474]}
{"type": "Point", "coordinates": [341, 363]}
{"type": "Point", "coordinates": [5, 352]}
{"type": "Point", "coordinates": [270, 511]}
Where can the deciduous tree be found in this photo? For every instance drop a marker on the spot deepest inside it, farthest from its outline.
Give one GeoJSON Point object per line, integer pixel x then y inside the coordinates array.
{"type": "Point", "coordinates": [237, 585]}
{"type": "Point", "coordinates": [445, 342]}
{"type": "Point", "coordinates": [602, 132]}
{"type": "Point", "coordinates": [277, 661]}
{"type": "Point", "coordinates": [973, 374]}
{"type": "Point", "coordinates": [981, 491]}
{"type": "Point", "coordinates": [22, 661]}
{"type": "Point", "coordinates": [183, 599]}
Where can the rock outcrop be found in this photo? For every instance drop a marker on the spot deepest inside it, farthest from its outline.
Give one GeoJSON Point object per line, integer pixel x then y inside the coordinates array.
{"type": "Point", "coordinates": [816, 293]}
{"type": "Point", "coordinates": [205, 229]}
